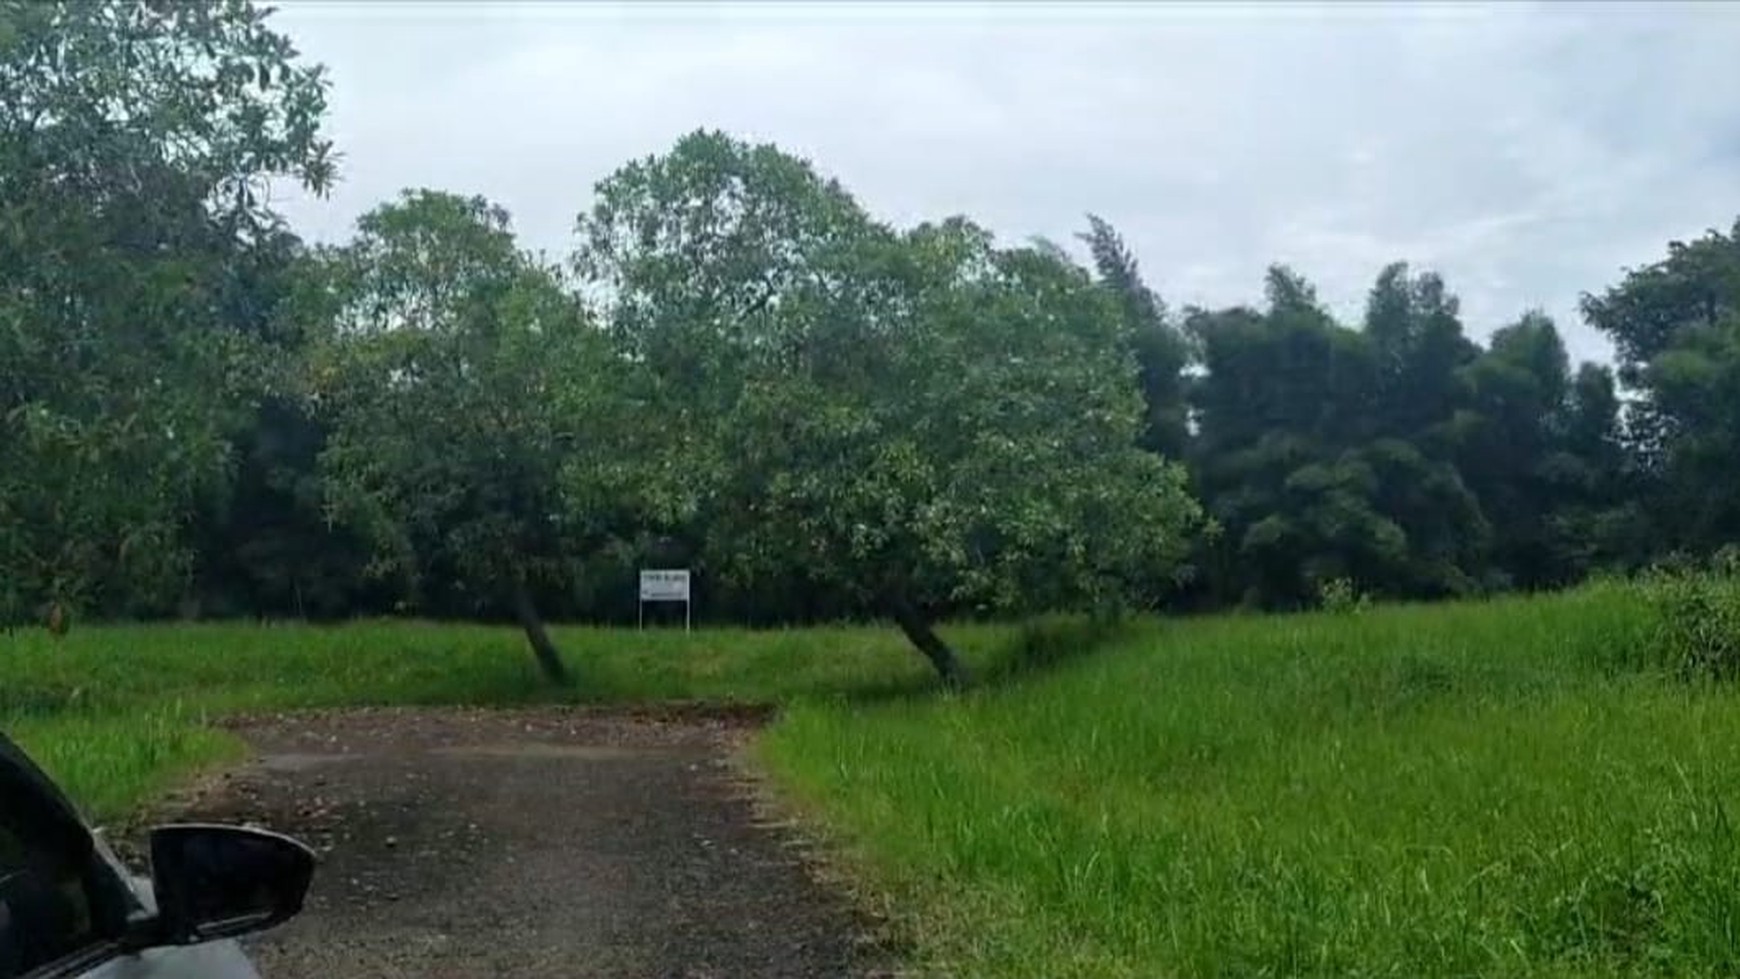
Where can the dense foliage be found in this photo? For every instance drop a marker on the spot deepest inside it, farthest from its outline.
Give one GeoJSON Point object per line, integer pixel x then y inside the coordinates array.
{"type": "Point", "coordinates": [134, 247]}
{"type": "Point", "coordinates": [742, 370]}
{"type": "Point", "coordinates": [919, 421]}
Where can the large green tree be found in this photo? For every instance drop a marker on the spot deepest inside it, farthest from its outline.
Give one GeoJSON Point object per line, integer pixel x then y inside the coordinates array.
{"type": "Point", "coordinates": [1508, 440]}
{"type": "Point", "coordinates": [1414, 326]}
{"type": "Point", "coordinates": [1311, 458]}
{"type": "Point", "coordinates": [1676, 326]}
{"type": "Point", "coordinates": [460, 379]}
{"type": "Point", "coordinates": [265, 547]}
{"type": "Point", "coordinates": [134, 142]}
{"type": "Point", "coordinates": [1540, 447]}
{"type": "Point", "coordinates": [927, 420]}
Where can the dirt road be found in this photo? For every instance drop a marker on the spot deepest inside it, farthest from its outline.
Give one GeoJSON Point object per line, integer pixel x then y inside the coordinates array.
{"type": "Point", "coordinates": [546, 843]}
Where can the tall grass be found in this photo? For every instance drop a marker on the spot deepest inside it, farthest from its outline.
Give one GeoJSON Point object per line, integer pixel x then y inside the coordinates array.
{"type": "Point", "coordinates": [1501, 788]}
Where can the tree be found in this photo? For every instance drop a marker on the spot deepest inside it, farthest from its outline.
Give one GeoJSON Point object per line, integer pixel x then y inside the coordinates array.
{"type": "Point", "coordinates": [133, 142]}
{"type": "Point", "coordinates": [1510, 442]}
{"type": "Point", "coordinates": [1676, 325]}
{"type": "Point", "coordinates": [1542, 451]}
{"type": "Point", "coordinates": [1282, 399]}
{"type": "Point", "coordinates": [264, 547]}
{"type": "Point", "coordinates": [459, 378]}
{"type": "Point", "coordinates": [1300, 464]}
{"type": "Point", "coordinates": [1605, 523]}
{"type": "Point", "coordinates": [1161, 350]}
{"type": "Point", "coordinates": [922, 418]}
{"type": "Point", "coordinates": [1414, 327]}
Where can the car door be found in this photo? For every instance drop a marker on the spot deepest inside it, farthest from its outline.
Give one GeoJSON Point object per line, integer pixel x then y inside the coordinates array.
{"type": "Point", "coordinates": [63, 910]}
{"type": "Point", "coordinates": [68, 908]}
{"type": "Point", "coordinates": [213, 960]}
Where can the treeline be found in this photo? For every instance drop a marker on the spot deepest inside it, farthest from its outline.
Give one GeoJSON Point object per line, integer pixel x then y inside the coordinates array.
{"type": "Point", "coordinates": [1406, 459]}
{"type": "Point", "coordinates": [740, 370]}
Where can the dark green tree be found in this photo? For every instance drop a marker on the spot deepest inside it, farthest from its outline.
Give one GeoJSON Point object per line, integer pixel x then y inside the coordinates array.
{"type": "Point", "coordinates": [1511, 453]}
{"type": "Point", "coordinates": [1416, 333]}
{"type": "Point", "coordinates": [1676, 326]}
{"type": "Point", "coordinates": [1162, 352]}
{"type": "Point", "coordinates": [1299, 454]}
{"type": "Point", "coordinates": [134, 142]}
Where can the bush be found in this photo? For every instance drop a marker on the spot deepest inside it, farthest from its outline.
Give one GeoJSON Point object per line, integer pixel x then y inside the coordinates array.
{"type": "Point", "coordinates": [1697, 617]}
{"type": "Point", "coordinates": [1341, 596]}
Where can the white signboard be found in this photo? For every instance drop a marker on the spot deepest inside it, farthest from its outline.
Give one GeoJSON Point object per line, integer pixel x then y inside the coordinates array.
{"type": "Point", "coordinates": [664, 586]}
{"type": "Point", "coordinates": [669, 585]}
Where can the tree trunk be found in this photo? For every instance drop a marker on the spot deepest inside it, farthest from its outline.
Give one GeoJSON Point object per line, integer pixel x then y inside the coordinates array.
{"type": "Point", "coordinates": [917, 628]}
{"type": "Point", "coordinates": [549, 660]}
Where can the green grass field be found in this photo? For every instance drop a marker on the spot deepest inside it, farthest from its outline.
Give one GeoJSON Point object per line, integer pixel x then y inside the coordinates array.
{"type": "Point", "coordinates": [1478, 789]}
{"type": "Point", "coordinates": [118, 712]}
{"type": "Point", "coordinates": [1500, 788]}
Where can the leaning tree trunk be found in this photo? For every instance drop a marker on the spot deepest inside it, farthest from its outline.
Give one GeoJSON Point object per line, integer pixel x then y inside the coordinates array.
{"type": "Point", "coordinates": [549, 660]}
{"type": "Point", "coordinates": [916, 625]}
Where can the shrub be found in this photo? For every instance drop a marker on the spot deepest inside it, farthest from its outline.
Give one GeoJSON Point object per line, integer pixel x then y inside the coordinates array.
{"type": "Point", "coordinates": [1341, 596]}
{"type": "Point", "coordinates": [1697, 617]}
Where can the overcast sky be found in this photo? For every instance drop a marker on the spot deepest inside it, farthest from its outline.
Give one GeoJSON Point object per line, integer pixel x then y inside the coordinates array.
{"type": "Point", "coordinates": [1528, 153]}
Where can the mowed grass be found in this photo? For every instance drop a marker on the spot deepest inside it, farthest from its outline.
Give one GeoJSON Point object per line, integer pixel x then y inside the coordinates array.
{"type": "Point", "coordinates": [1482, 789]}
{"type": "Point", "coordinates": [1499, 788]}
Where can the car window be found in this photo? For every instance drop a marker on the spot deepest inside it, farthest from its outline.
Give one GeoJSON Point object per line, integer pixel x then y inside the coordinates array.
{"type": "Point", "coordinates": [45, 907]}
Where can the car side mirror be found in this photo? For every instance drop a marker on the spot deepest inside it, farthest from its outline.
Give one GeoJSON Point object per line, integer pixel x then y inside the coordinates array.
{"type": "Point", "coordinates": [216, 882]}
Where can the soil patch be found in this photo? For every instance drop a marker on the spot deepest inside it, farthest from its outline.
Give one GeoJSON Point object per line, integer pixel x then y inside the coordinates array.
{"type": "Point", "coordinates": [532, 843]}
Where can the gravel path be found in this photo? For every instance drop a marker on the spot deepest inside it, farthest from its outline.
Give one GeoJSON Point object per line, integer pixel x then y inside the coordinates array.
{"type": "Point", "coordinates": [546, 843]}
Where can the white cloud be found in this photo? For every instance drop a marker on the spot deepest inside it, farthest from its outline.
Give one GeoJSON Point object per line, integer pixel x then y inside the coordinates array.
{"type": "Point", "coordinates": [1527, 153]}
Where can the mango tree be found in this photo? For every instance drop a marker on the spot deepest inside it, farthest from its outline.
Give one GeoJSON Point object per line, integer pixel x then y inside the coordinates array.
{"type": "Point", "coordinates": [134, 139]}
{"type": "Point", "coordinates": [458, 377]}
{"type": "Point", "coordinates": [932, 422]}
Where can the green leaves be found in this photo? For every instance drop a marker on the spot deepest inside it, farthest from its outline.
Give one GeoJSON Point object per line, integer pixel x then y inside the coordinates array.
{"type": "Point", "coordinates": [917, 418]}
{"type": "Point", "coordinates": [1676, 325]}
{"type": "Point", "coordinates": [127, 221]}
{"type": "Point", "coordinates": [467, 394]}
{"type": "Point", "coordinates": [915, 414]}
{"type": "Point", "coordinates": [1315, 445]}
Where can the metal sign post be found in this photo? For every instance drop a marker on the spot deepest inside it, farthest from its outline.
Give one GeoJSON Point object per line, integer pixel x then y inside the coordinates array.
{"type": "Point", "coordinates": [669, 585]}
